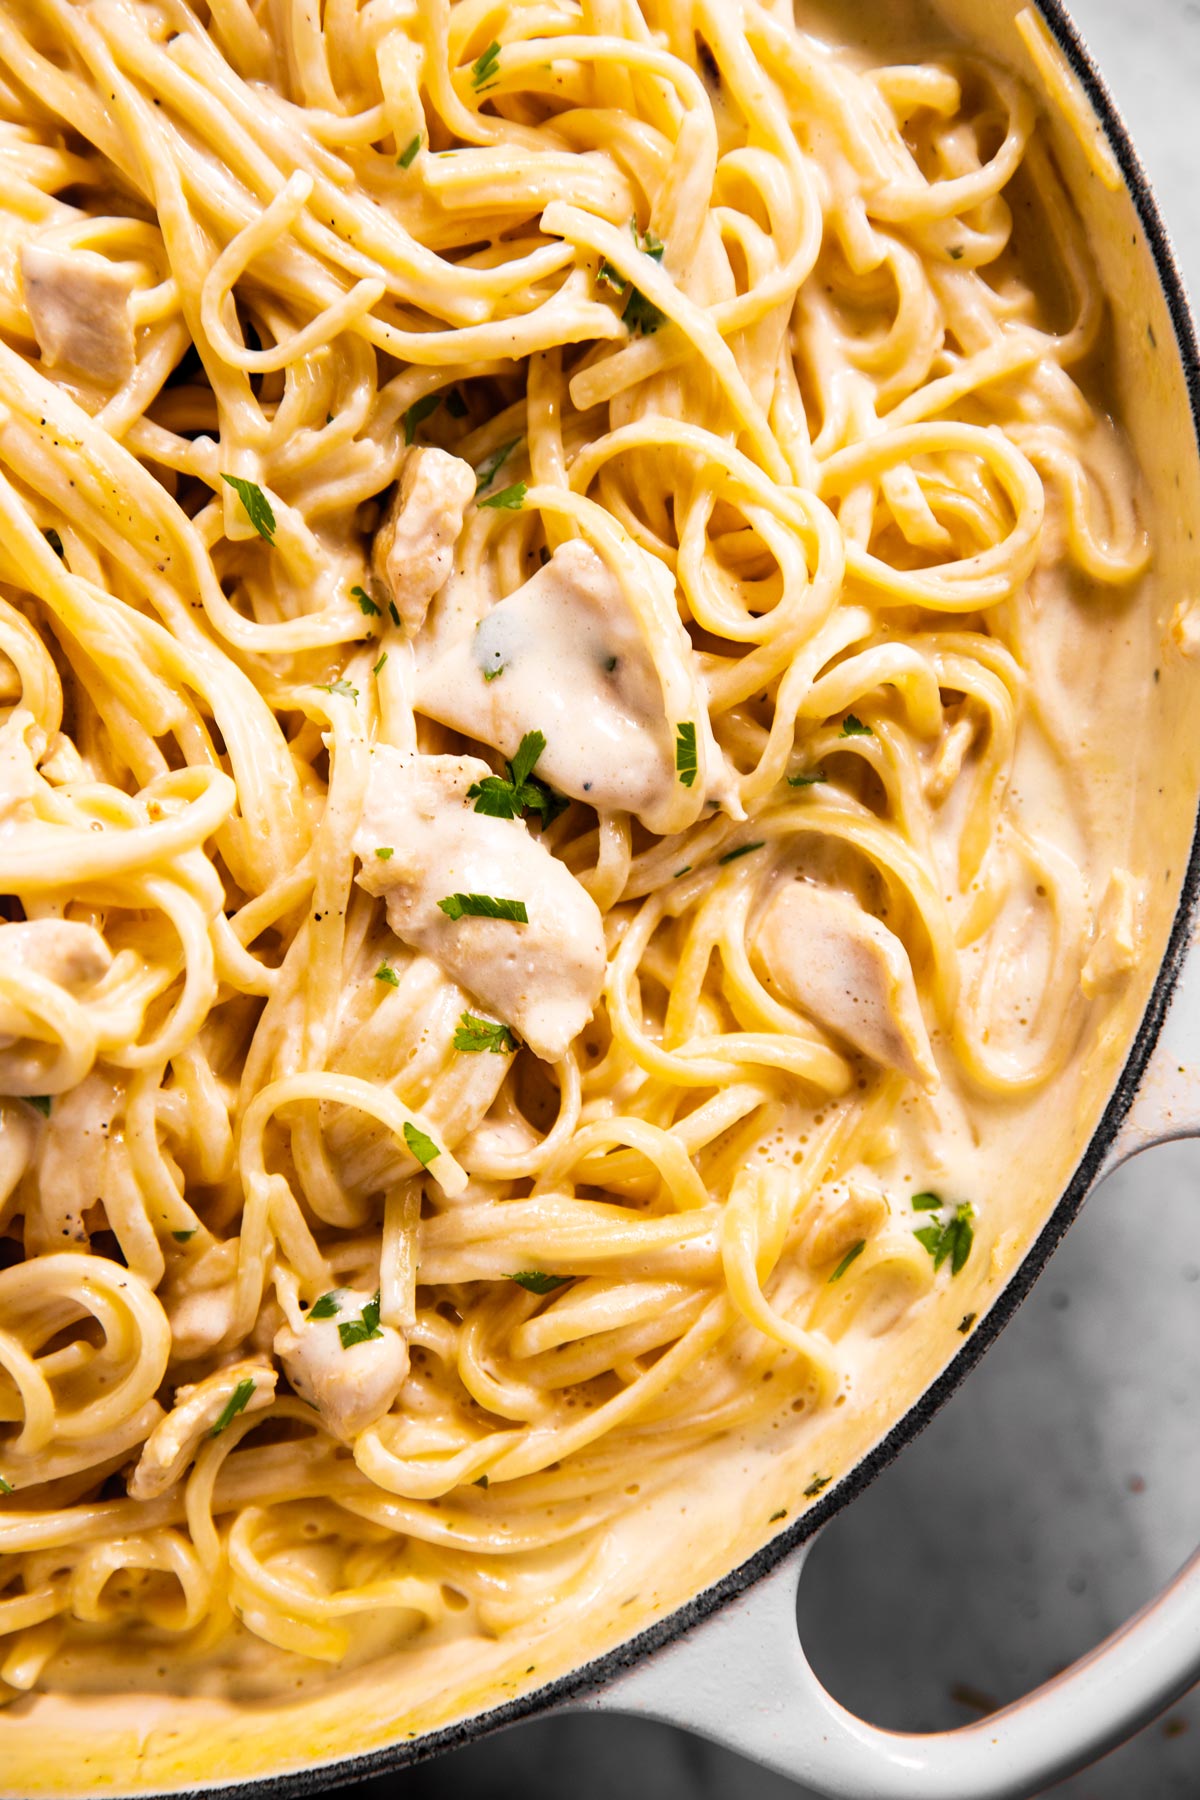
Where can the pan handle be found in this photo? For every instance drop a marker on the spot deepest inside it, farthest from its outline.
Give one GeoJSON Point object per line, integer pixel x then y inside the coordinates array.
{"type": "Point", "coordinates": [743, 1680]}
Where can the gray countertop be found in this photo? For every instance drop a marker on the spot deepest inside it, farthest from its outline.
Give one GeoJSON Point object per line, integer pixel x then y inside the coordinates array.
{"type": "Point", "coordinates": [1059, 1488]}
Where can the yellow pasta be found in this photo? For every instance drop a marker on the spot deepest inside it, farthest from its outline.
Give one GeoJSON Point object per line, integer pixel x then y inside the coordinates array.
{"type": "Point", "coordinates": [635, 453]}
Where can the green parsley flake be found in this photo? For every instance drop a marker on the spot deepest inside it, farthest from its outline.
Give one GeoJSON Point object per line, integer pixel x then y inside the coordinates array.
{"type": "Point", "coordinates": [6, 1487]}
{"type": "Point", "coordinates": [535, 1282]}
{"type": "Point", "coordinates": [816, 1486]}
{"type": "Point", "coordinates": [456, 406]}
{"type": "Point", "coordinates": [483, 906]}
{"type": "Point", "coordinates": [486, 66]}
{"type": "Point", "coordinates": [327, 1307]}
{"type": "Point", "coordinates": [255, 505]}
{"type": "Point", "coordinates": [852, 1255]}
{"type": "Point", "coordinates": [487, 471]}
{"type": "Point", "coordinates": [854, 727]}
{"type": "Point", "coordinates": [366, 605]}
{"type": "Point", "coordinates": [686, 765]}
{"type": "Point", "coordinates": [384, 852]}
{"type": "Point", "coordinates": [386, 973]}
{"type": "Point", "coordinates": [611, 277]}
{"type": "Point", "coordinates": [686, 870]}
{"type": "Point", "coordinates": [641, 315]}
{"type": "Point", "coordinates": [422, 1147]}
{"type": "Point", "coordinates": [235, 1404]}
{"type": "Point", "coordinates": [182, 1237]}
{"type": "Point", "coordinates": [41, 1101]}
{"type": "Point", "coordinates": [966, 1322]}
{"type": "Point", "coordinates": [55, 542]}
{"type": "Point", "coordinates": [741, 850]}
{"type": "Point", "coordinates": [361, 1331]}
{"type": "Point", "coordinates": [491, 674]}
{"type": "Point", "coordinates": [480, 1481]}
{"type": "Point", "coordinates": [378, 669]}
{"type": "Point", "coordinates": [341, 686]}
{"type": "Point", "coordinates": [474, 1033]}
{"type": "Point", "coordinates": [509, 798]}
{"type": "Point", "coordinates": [803, 781]}
{"type": "Point", "coordinates": [418, 412]}
{"type": "Point", "coordinates": [408, 155]}
{"type": "Point", "coordinates": [776, 1516]}
{"type": "Point", "coordinates": [509, 499]}
{"type": "Point", "coordinates": [927, 1202]}
{"type": "Point", "coordinates": [393, 612]}
{"type": "Point", "coordinates": [951, 1238]}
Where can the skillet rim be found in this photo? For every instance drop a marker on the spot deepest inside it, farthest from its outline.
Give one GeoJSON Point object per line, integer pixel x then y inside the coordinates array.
{"type": "Point", "coordinates": [298, 1784]}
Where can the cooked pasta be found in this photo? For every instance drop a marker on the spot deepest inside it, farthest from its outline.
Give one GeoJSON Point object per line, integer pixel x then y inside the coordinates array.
{"type": "Point", "coordinates": [543, 814]}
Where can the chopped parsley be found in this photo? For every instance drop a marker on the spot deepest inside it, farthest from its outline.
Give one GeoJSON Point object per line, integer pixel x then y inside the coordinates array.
{"type": "Point", "coordinates": [41, 1101]}
{"type": "Point", "coordinates": [387, 974]}
{"type": "Point", "coordinates": [361, 1331]}
{"type": "Point", "coordinates": [816, 1486]}
{"type": "Point", "coordinates": [55, 542]}
{"type": "Point", "coordinates": [927, 1202]}
{"type": "Point", "coordinates": [235, 1404]}
{"type": "Point", "coordinates": [491, 674]}
{"type": "Point", "coordinates": [483, 1034]}
{"type": "Point", "coordinates": [854, 727]}
{"type": "Point", "coordinates": [509, 499]}
{"type": "Point", "coordinates": [392, 610]}
{"type": "Point", "coordinates": [480, 1481]}
{"type": "Point", "coordinates": [456, 406]}
{"type": "Point", "coordinates": [535, 1282]}
{"type": "Point", "coordinates": [807, 780]}
{"type": "Point", "coordinates": [408, 155]}
{"type": "Point", "coordinates": [182, 1237]}
{"type": "Point", "coordinates": [966, 1322]}
{"type": "Point", "coordinates": [327, 1307]}
{"type": "Point", "coordinates": [341, 686]}
{"type": "Point", "coordinates": [740, 850]}
{"type": "Point", "coordinates": [686, 765]}
{"type": "Point", "coordinates": [686, 870]}
{"type": "Point", "coordinates": [366, 605]}
{"type": "Point", "coordinates": [378, 669]}
{"type": "Point", "coordinates": [950, 1238]}
{"type": "Point", "coordinates": [485, 67]}
{"type": "Point", "coordinates": [483, 906]}
{"type": "Point", "coordinates": [418, 412]}
{"type": "Point", "coordinates": [422, 1147]}
{"type": "Point", "coordinates": [852, 1255]}
{"type": "Point", "coordinates": [384, 852]}
{"type": "Point", "coordinates": [255, 505]}
{"type": "Point", "coordinates": [639, 314]}
{"type": "Point", "coordinates": [956, 252]}
{"type": "Point", "coordinates": [487, 471]}
{"type": "Point", "coordinates": [776, 1516]}
{"type": "Point", "coordinates": [6, 1487]}
{"type": "Point", "coordinates": [521, 792]}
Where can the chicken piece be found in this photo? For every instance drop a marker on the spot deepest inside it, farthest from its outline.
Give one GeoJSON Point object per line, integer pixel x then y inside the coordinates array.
{"type": "Point", "coordinates": [564, 656]}
{"type": "Point", "coordinates": [414, 548]}
{"type": "Point", "coordinates": [543, 977]}
{"type": "Point", "coordinates": [199, 1298]}
{"type": "Point", "coordinates": [59, 950]}
{"type": "Point", "coordinates": [79, 304]}
{"type": "Point", "coordinates": [351, 1385]}
{"type": "Point", "coordinates": [825, 954]}
{"type": "Point", "coordinates": [1118, 935]}
{"type": "Point", "coordinates": [198, 1412]}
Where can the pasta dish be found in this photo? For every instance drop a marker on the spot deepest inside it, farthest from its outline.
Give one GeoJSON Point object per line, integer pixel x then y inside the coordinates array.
{"type": "Point", "coordinates": [558, 565]}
